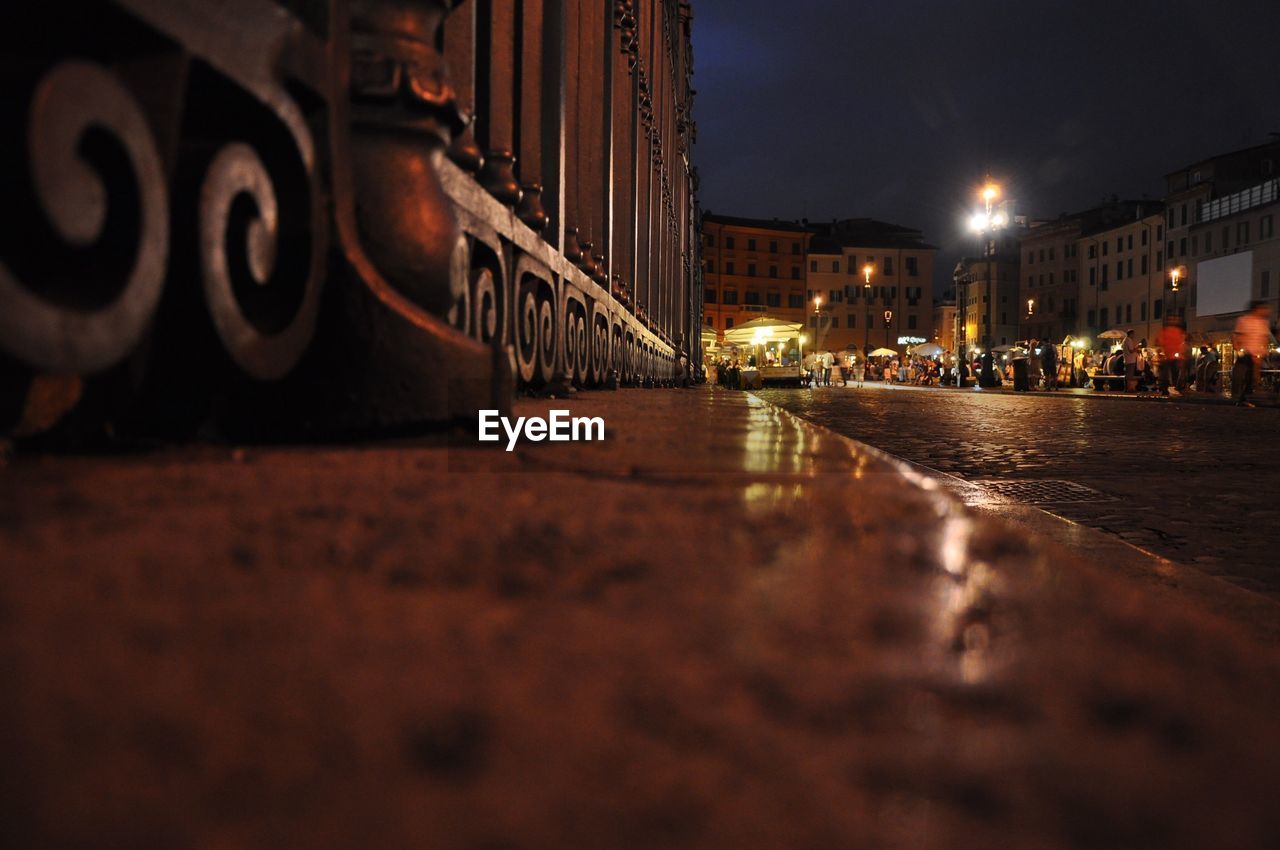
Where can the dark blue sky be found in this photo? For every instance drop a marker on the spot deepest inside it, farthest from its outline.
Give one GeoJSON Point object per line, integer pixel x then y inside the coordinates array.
{"type": "Point", "coordinates": [895, 109]}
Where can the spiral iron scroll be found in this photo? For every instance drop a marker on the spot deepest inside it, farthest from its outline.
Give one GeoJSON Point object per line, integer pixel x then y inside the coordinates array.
{"type": "Point", "coordinates": [97, 178]}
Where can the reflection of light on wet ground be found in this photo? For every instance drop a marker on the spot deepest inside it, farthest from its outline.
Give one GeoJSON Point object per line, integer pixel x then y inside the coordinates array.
{"type": "Point", "coordinates": [963, 597]}
{"type": "Point", "coordinates": [762, 498]}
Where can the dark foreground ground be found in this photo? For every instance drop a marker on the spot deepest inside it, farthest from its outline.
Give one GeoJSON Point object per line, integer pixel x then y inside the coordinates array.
{"type": "Point", "coordinates": [1197, 483]}
{"type": "Point", "coordinates": [723, 627]}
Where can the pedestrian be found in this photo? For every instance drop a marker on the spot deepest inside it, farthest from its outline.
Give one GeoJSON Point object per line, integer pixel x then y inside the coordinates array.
{"type": "Point", "coordinates": [1050, 359]}
{"type": "Point", "coordinates": [1251, 337]}
{"type": "Point", "coordinates": [1173, 339]}
{"type": "Point", "coordinates": [1131, 348]}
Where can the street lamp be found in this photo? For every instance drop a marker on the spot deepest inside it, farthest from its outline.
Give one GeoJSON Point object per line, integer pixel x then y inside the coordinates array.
{"type": "Point", "coordinates": [888, 317]}
{"type": "Point", "coordinates": [817, 323]}
{"type": "Point", "coordinates": [866, 325]}
{"type": "Point", "coordinates": [1175, 275]}
{"type": "Point", "coordinates": [982, 223]}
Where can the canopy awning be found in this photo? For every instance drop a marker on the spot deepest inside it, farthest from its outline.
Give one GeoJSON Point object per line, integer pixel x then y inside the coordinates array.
{"type": "Point", "coordinates": [762, 330]}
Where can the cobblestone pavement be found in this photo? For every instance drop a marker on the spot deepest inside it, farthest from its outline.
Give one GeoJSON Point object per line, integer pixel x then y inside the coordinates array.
{"type": "Point", "coordinates": [1198, 484]}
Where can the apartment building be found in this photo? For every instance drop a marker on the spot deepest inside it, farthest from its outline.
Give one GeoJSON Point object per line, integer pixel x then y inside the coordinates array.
{"type": "Point", "coordinates": [893, 308]}
{"type": "Point", "coordinates": [1220, 223]}
{"type": "Point", "coordinates": [752, 267]}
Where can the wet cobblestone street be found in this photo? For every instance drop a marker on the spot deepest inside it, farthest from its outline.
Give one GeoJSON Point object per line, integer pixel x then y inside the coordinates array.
{"type": "Point", "coordinates": [1199, 484]}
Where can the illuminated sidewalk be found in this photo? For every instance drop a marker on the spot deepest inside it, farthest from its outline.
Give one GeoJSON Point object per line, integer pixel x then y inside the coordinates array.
{"type": "Point", "coordinates": [721, 627]}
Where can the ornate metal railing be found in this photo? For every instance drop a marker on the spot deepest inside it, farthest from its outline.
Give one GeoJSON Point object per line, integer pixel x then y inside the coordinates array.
{"type": "Point", "coordinates": [244, 210]}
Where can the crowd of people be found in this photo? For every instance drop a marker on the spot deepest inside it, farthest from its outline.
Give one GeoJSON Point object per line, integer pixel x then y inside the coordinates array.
{"type": "Point", "coordinates": [1171, 366]}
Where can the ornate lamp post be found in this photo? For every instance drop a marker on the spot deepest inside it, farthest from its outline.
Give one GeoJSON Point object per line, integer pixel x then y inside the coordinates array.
{"type": "Point", "coordinates": [866, 326]}
{"type": "Point", "coordinates": [888, 317]}
{"type": "Point", "coordinates": [1175, 276]}
{"type": "Point", "coordinates": [985, 223]}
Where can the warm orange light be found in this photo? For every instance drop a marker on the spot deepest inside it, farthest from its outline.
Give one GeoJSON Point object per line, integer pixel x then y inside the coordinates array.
{"type": "Point", "coordinates": [866, 271]}
{"type": "Point", "coordinates": [990, 192]}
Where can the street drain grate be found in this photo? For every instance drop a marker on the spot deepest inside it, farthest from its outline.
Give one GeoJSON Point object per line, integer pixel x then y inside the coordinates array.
{"type": "Point", "coordinates": [1041, 492]}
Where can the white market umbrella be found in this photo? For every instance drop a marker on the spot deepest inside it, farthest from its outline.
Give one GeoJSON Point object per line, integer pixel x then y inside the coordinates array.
{"type": "Point", "coordinates": [884, 352]}
{"type": "Point", "coordinates": [929, 349]}
{"type": "Point", "coordinates": [763, 329]}
{"type": "Point", "coordinates": [1001, 349]}
{"type": "Point", "coordinates": [1112, 334]}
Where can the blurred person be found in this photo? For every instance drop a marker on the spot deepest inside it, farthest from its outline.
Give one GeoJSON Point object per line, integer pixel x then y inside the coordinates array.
{"type": "Point", "coordinates": [1131, 350]}
{"type": "Point", "coordinates": [1251, 337]}
{"type": "Point", "coordinates": [1049, 358]}
{"type": "Point", "coordinates": [1173, 341]}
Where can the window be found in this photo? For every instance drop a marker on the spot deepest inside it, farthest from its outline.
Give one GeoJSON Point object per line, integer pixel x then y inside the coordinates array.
{"type": "Point", "coordinates": [773, 247]}
{"type": "Point", "coordinates": [709, 296]}
{"type": "Point", "coordinates": [1093, 251]}
{"type": "Point", "coordinates": [1182, 247]}
{"type": "Point", "coordinates": [1004, 318]}
{"type": "Point", "coordinates": [835, 321]}
{"type": "Point", "coordinates": [728, 322]}
{"type": "Point", "coordinates": [911, 323]}
{"type": "Point", "coordinates": [1208, 241]}
{"type": "Point", "coordinates": [1102, 317]}
{"type": "Point", "coordinates": [1119, 244]}
{"type": "Point", "coordinates": [1142, 312]}
{"type": "Point", "coordinates": [1104, 248]}
{"type": "Point", "coordinates": [835, 265]}
{"type": "Point", "coordinates": [1093, 277]}
{"type": "Point", "coordinates": [1242, 233]}
{"type": "Point", "coordinates": [813, 266]}
{"type": "Point", "coordinates": [1051, 252]}
{"type": "Point", "coordinates": [1041, 256]}
{"type": "Point", "coordinates": [751, 244]}
{"type": "Point", "coordinates": [1159, 232]}
{"type": "Point", "coordinates": [711, 266]}
{"type": "Point", "coordinates": [1051, 278]}
{"type": "Point", "coordinates": [888, 266]}
{"type": "Point", "coordinates": [1195, 246]}
{"type": "Point", "coordinates": [751, 269]}
{"type": "Point", "coordinates": [853, 321]}
{"type": "Point", "coordinates": [1266, 227]}
{"type": "Point", "coordinates": [795, 300]}
{"type": "Point", "coordinates": [1130, 242]}
{"type": "Point", "coordinates": [795, 272]}
{"type": "Point", "coordinates": [728, 242]}
{"type": "Point", "coordinates": [1168, 248]}
{"type": "Point", "coordinates": [1042, 280]}
{"type": "Point", "coordinates": [1091, 315]}
{"type": "Point", "coordinates": [1128, 312]}
{"type": "Point", "coordinates": [1171, 216]}
{"type": "Point", "coordinates": [913, 270]}
{"type": "Point", "coordinates": [795, 247]}
{"type": "Point", "coordinates": [1157, 308]}
{"type": "Point", "coordinates": [709, 241]}
{"type": "Point", "coordinates": [1031, 258]}
{"type": "Point", "coordinates": [1104, 276]}
{"type": "Point", "coordinates": [728, 268]}
{"type": "Point", "coordinates": [1128, 269]}
{"type": "Point", "coordinates": [834, 295]}
{"type": "Point", "coordinates": [1144, 237]}
{"type": "Point", "coordinates": [1143, 264]}
{"type": "Point", "coordinates": [1182, 219]}
{"type": "Point", "coordinates": [731, 296]}
{"type": "Point", "coordinates": [1031, 280]}
{"type": "Point", "coordinates": [773, 299]}
{"type": "Point", "coordinates": [751, 297]}
{"type": "Point", "coordinates": [773, 271]}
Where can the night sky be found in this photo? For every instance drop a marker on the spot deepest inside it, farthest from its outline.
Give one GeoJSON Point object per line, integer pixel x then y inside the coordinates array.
{"type": "Point", "coordinates": [895, 109]}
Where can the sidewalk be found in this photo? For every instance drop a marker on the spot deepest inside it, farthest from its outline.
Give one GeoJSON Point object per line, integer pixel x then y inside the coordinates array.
{"type": "Point", "coordinates": [721, 627]}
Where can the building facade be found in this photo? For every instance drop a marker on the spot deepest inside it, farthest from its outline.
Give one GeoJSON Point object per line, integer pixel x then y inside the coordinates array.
{"type": "Point", "coordinates": [1122, 266]}
{"type": "Point", "coordinates": [894, 310]}
{"type": "Point", "coordinates": [752, 267]}
{"type": "Point", "coordinates": [1220, 221]}
{"type": "Point", "coordinates": [944, 321]}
